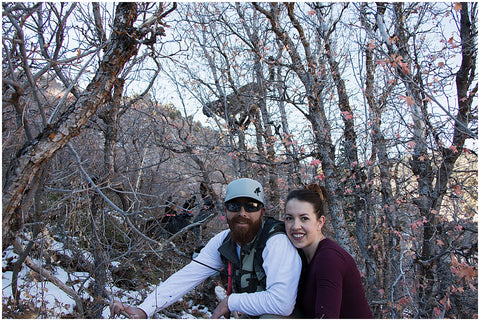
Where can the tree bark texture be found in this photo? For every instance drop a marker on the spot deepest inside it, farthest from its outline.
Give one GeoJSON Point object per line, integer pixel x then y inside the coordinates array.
{"type": "Point", "coordinates": [121, 47]}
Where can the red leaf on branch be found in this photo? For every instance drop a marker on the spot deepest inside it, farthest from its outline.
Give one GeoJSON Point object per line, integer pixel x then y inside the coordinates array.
{"type": "Point", "coordinates": [437, 312]}
{"type": "Point", "coordinates": [467, 272]}
{"type": "Point", "coordinates": [409, 100]}
{"type": "Point", "coordinates": [453, 148]}
{"type": "Point", "coordinates": [371, 45]}
{"type": "Point", "coordinates": [457, 189]}
{"type": "Point", "coordinates": [347, 115]}
{"type": "Point", "coordinates": [320, 177]}
{"type": "Point", "coordinates": [446, 302]}
{"type": "Point", "coordinates": [404, 66]}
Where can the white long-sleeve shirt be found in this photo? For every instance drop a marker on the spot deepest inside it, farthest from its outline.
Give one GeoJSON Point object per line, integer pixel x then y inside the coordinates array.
{"type": "Point", "coordinates": [282, 266]}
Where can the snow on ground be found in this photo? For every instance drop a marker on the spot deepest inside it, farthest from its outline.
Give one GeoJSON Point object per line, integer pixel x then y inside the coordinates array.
{"type": "Point", "coordinates": [49, 296]}
{"type": "Point", "coordinates": [57, 303]}
{"type": "Point", "coordinates": [43, 293]}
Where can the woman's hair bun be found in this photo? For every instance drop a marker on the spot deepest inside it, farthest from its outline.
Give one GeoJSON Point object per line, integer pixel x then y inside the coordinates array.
{"type": "Point", "coordinates": [316, 188]}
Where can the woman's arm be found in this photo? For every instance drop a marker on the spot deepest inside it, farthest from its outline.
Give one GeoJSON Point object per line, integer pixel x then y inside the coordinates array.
{"type": "Point", "coordinates": [328, 270]}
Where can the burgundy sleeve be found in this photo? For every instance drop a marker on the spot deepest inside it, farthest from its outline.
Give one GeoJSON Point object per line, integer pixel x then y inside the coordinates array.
{"type": "Point", "coordinates": [329, 282]}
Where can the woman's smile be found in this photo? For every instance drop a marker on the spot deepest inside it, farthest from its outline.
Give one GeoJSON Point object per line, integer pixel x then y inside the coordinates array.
{"type": "Point", "coordinates": [303, 227]}
{"type": "Point", "coordinates": [298, 236]}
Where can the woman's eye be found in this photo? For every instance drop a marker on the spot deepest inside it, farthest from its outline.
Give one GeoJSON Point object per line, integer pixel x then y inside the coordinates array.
{"type": "Point", "coordinates": [304, 218]}
{"type": "Point", "coordinates": [288, 218]}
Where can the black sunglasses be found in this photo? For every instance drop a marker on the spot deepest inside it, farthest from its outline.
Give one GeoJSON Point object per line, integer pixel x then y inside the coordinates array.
{"type": "Point", "coordinates": [248, 206]}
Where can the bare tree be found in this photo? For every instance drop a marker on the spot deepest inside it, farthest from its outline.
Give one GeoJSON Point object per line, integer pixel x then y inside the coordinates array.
{"type": "Point", "coordinates": [376, 101]}
{"type": "Point", "coordinates": [308, 71]}
{"type": "Point", "coordinates": [431, 162]}
{"type": "Point", "coordinates": [122, 46]}
{"type": "Point", "coordinates": [76, 107]}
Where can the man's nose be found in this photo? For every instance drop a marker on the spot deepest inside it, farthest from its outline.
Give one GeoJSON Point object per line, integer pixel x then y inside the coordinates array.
{"type": "Point", "coordinates": [242, 211]}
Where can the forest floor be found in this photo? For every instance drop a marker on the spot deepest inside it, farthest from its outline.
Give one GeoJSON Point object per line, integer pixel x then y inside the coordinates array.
{"type": "Point", "coordinates": [42, 299]}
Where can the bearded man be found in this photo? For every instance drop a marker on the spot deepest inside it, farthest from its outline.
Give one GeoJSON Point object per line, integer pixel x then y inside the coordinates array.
{"type": "Point", "coordinates": [260, 265]}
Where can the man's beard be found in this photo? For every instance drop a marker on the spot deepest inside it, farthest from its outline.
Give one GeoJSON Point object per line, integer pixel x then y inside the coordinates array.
{"type": "Point", "coordinates": [243, 234]}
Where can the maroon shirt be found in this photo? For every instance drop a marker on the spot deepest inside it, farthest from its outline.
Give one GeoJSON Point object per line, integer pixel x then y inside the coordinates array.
{"type": "Point", "coordinates": [331, 286]}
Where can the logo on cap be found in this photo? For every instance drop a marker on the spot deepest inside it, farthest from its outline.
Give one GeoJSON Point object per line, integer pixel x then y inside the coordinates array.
{"type": "Point", "coordinates": [257, 191]}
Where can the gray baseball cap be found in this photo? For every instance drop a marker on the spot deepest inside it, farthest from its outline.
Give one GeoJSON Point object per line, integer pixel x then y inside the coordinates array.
{"type": "Point", "coordinates": [244, 187]}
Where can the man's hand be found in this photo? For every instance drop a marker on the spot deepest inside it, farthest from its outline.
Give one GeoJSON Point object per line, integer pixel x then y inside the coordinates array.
{"type": "Point", "coordinates": [134, 313]}
{"type": "Point", "coordinates": [221, 310]}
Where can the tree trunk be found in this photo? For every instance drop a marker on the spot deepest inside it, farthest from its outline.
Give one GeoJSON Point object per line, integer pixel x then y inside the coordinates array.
{"type": "Point", "coordinates": [379, 152]}
{"type": "Point", "coordinates": [121, 47]}
{"type": "Point", "coordinates": [99, 257]}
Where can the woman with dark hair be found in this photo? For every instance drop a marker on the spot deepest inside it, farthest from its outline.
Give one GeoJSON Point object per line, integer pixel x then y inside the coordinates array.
{"type": "Point", "coordinates": [330, 285]}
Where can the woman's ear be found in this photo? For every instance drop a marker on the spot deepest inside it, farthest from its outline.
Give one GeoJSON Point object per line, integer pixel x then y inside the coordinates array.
{"type": "Point", "coordinates": [321, 222]}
